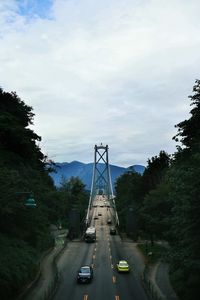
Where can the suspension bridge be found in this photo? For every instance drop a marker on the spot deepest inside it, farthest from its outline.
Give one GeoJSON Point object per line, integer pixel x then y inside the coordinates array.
{"type": "Point", "coordinates": [101, 184]}
{"type": "Point", "coordinates": [101, 193]}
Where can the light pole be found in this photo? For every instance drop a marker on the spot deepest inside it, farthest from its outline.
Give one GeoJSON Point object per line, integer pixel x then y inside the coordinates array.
{"type": "Point", "coordinates": [30, 201]}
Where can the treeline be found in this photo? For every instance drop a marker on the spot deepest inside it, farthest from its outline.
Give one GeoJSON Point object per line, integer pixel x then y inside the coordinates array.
{"type": "Point", "coordinates": [166, 202]}
{"type": "Point", "coordinates": [25, 231]}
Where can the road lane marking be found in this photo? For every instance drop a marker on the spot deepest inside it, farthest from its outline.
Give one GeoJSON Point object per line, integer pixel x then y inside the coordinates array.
{"type": "Point", "coordinates": [112, 266]}
{"type": "Point", "coordinates": [93, 256]}
{"type": "Point", "coordinates": [114, 279]}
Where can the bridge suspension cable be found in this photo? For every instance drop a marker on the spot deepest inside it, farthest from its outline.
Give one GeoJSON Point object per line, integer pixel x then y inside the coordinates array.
{"type": "Point", "coordinates": [101, 179]}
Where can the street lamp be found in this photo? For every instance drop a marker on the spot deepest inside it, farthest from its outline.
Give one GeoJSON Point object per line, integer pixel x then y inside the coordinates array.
{"type": "Point", "coordinates": [30, 201]}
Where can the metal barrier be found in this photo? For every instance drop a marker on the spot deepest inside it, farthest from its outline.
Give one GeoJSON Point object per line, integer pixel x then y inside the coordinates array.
{"type": "Point", "coordinates": [53, 287]}
{"type": "Point", "coordinates": [150, 286]}
{"type": "Point", "coordinates": [50, 291]}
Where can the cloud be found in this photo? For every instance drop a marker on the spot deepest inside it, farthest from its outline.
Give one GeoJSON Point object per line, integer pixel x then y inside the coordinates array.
{"type": "Point", "coordinates": [116, 72]}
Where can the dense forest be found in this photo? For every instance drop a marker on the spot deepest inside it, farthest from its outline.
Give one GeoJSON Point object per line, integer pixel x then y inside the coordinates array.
{"type": "Point", "coordinates": [166, 201]}
{"type": "Point", "coordinates": [29, 201]}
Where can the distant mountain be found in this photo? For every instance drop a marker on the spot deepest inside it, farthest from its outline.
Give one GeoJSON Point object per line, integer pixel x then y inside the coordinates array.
{"type": "Point", "coordinates": [85, 172]}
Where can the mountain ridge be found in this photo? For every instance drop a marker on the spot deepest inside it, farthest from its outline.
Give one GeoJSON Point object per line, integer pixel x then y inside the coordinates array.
{"type": "Point", "coordinates": [85, 170]}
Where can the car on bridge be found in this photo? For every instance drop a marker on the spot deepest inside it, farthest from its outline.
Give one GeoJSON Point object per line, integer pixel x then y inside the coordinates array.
{"type": "Point", "coordinates": [112, 230]}
{"type": "Point", "coordinates": [85, 274]}
{"type": "Point", "coordinates": [109, 221]}
{"type": "Point", "coordinates": [123, 266]}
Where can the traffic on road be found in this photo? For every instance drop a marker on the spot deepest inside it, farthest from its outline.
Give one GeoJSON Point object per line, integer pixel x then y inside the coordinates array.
{"type": "Point", "coordinates": [101, 268]}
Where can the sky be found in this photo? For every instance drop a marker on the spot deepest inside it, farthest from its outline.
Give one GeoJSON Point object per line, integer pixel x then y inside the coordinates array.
{"type": "Point", "coordinates": [117, 72]}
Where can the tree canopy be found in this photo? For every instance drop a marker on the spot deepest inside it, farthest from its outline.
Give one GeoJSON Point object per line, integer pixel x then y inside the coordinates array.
{"type": "Point", "coordinates": [25, 232]}
{"type": "Point", "coordinates": [170, 202]}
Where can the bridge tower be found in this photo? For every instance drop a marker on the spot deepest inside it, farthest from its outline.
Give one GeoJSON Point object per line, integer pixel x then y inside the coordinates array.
{"type": "Point", "coordinates": [101, 179]}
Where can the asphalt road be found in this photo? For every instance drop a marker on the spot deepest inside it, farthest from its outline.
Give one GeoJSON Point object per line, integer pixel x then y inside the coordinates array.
{"type": "Point", "coordinates": [103, 255]}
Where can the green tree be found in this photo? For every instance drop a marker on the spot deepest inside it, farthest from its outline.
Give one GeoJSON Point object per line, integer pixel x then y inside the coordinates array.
{"type": "Point", "coordinates": [155, 213]}
{"type": "Point", "coordinates": [153, 206]}
{"type": "Point", "coordinates": [189, 130]}
{"type": "Point", "coordinates": [128, 194]}
{"type": "Point", "coordinates": [155, 171]}
{"type": "Point", "coordinates": [74, 194]}
{"type": "Point", "coordinates": [24, 232]}
{"type": "Point", "coordinates": [15, 136]}
{"type": "Point", "coordinates": [184, 183]}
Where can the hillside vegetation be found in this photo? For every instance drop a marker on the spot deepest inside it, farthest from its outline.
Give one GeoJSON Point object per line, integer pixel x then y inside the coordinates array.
{"type": "Point", "coordinates": [25, 231]}
{"type": "Point", "coordinates": [165, 202]}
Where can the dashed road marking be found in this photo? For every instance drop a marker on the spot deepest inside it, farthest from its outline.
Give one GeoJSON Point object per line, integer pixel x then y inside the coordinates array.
{"type": "Point", "coordinates": [114, 279]}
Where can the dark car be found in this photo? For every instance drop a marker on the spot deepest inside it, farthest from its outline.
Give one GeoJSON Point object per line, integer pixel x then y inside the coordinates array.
{"type": "Point", "coordinates": [113, 230]}
{"type": "Point", "coordinates": [109, 221]}
{"type": "Point", "coordinates": [85, 274]}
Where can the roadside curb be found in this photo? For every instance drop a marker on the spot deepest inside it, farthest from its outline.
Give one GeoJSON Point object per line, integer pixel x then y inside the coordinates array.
{"type": "Point", "coordinates": [158, 291]}
{"type": "Point", "coordinates": [153, 276]}
{"type": "Point", "coordinates": [152, 286]}
{"type": "Point", "coordinates": [149, 281]}
{"type": "Point", "coordinates": [48, 289]}
{"type": "Point", "coordinates": [31, 285]}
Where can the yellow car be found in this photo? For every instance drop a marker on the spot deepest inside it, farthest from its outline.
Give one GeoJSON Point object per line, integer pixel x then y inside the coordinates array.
{"type": "Point", "coordinates": [123, 266]}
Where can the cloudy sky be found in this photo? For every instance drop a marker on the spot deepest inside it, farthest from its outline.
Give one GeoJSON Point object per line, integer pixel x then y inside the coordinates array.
{"type": "Point", "coordinates": [112, 71]}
